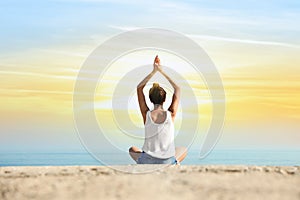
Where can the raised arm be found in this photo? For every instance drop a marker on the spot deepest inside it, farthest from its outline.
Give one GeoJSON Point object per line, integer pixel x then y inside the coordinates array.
{"type": "Point", "coordinates": [176, 95]}
{"type": "Point", "coordinates": [141, 97]}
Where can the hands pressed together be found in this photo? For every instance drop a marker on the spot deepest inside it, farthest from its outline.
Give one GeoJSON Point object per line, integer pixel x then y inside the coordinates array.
{"type": "Point", "coordinates": [156, 64]}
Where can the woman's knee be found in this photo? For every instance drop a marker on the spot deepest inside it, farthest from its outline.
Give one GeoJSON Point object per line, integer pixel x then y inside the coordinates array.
{"type": "Point", "coordinates": [130, 149]}
{"type": "Point", "coordinates": [134, 149]}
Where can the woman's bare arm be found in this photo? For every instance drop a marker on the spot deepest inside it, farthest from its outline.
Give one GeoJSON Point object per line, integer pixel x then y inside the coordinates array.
{"type": "Point", "coordinates": [176, 95]}
{"type": "Point", "coordinates": [141, 97]}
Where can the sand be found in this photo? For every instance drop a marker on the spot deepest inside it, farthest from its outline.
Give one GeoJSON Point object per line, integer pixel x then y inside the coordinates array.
{"type": "Point", "coordinates": [171, 182]}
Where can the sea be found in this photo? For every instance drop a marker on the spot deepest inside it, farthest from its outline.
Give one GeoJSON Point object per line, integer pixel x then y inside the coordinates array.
{"type": "Point", "coordinates": [265, 157]}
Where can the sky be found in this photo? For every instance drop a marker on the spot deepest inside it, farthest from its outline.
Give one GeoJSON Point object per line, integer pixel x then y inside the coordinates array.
{"type": "Point", "coordinates": [255, 46]}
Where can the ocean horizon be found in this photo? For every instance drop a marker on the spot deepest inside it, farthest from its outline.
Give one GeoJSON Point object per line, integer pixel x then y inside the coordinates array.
{"type": "Point", "coordinates": [216, 157]}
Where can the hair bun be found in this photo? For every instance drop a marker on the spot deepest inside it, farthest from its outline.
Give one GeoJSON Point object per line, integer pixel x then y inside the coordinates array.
{"type": "Point", "coordinates": [155, 85]}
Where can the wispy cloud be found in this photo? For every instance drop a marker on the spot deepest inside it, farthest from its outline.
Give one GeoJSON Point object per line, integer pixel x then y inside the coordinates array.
{"type": "Point", "coordinates": [70, 53]}
{"type": "Point", "coordinates": [219, 38]}
{"type": "Point", "coordinates": [89, 75]}
{"type": "Point", "coordinates": [37, 75]}
{"type": "Point", "coordinates": [246, 41]}
{"type": "Point", "coordinates": [124, 28]}
{"type": "Point", "coordinates": [36, 91]}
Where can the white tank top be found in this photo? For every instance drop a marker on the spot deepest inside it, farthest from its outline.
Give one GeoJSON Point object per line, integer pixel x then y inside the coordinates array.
{"type": "Point", "coordinates": [159, 138]}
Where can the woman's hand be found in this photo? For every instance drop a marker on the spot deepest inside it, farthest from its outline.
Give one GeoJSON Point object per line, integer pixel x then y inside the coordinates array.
{"type": "Point", "coordinates": [156, 64]}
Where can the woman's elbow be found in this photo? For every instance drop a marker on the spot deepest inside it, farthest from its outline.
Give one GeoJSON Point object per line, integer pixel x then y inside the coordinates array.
{"type": "Point", "coordinates": [139, 89]}
{"type": "Point", "coordinates": [177, 89]}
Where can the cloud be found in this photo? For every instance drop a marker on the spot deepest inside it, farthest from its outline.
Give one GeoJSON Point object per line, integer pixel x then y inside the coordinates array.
{"type": "Point", "coordinates": [38, 75]}
{"type": "Point", "coordinates": [245, 41]}
{"type": "Point", "coordinates": [124, 28]}
{"type": "Point", "coordinates": [36, 91]}
{"type": "Point", "coordinates": [219, 38]}
{"type": "Point", "coordinates": [88, 77]}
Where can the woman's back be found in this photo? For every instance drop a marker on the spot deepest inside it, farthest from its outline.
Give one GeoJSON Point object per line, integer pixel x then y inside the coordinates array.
{"type": "Point", "coordinates": [158, 116]}
{"type": "Point", "coordinates": [159, 134]}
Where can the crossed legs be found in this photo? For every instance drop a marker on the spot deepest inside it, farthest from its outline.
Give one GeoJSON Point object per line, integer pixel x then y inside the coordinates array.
{"type": "Point", "coordinates": [180, 153]}
{"type": "Point", "coordinates": [134, 152]}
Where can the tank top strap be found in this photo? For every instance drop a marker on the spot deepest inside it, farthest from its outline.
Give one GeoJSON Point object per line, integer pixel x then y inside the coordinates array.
{"type": "Point", "coordinates": [168, 113]}
{"type": "Point", "coordinates": [148, 115]}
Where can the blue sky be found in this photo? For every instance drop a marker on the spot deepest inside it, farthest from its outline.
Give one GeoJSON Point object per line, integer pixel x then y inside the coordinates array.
{"type": "Point", "coordinates": [29, 24]}
{"type": "Point", "coordinates": [44, 43]}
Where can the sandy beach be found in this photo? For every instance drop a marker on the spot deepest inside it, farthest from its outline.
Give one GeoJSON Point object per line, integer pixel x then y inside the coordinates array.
{"type": "Point", "coordinates": [171, 182]}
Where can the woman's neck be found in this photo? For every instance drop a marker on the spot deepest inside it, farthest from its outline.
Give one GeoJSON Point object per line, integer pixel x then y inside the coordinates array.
{"type": "Point", "coordinates": [158, 107]}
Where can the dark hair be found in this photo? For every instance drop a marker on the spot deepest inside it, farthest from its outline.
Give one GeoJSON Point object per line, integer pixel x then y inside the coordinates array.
{"type": "Point", "coordinates": [157, 94]}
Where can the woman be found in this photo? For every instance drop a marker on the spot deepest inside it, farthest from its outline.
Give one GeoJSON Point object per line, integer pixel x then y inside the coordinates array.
{"type": "Point", "coordinates": [159, 145]}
